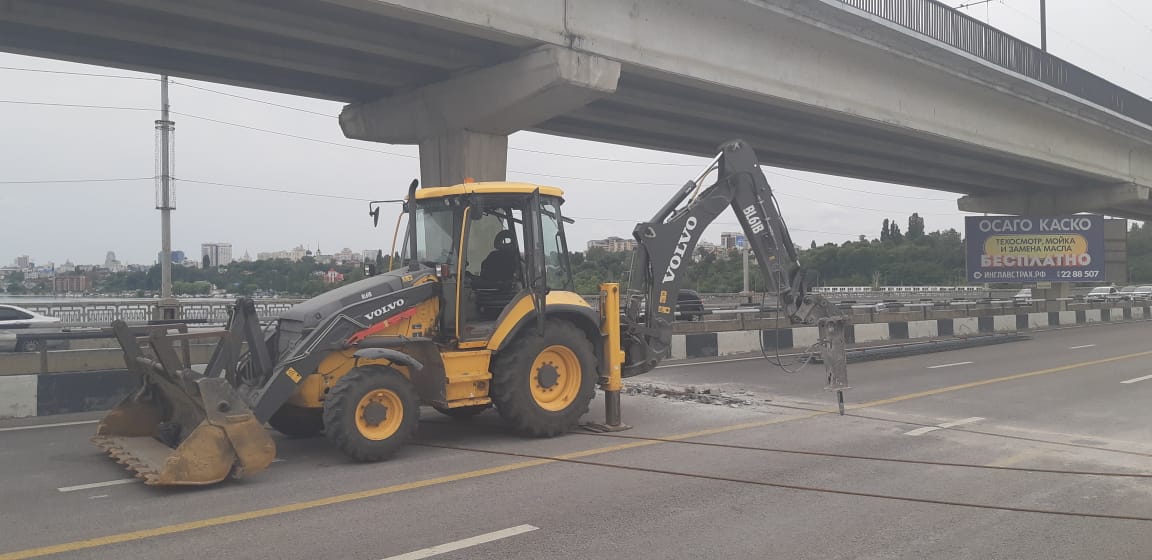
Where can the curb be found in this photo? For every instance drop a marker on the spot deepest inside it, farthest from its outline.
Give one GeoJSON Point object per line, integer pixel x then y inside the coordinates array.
{"type": "Point", "coordinates": [718, 344]}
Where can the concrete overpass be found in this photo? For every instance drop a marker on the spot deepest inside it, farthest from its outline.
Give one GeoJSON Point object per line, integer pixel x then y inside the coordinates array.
{"type": "Point", "coordinates": [910, 93]}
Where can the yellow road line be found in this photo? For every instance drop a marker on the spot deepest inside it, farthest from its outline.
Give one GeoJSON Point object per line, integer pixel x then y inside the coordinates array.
{"type": "Point", "coordinates": [1024, 375]}
{"type": "Point", "coordinates": [353, 496]}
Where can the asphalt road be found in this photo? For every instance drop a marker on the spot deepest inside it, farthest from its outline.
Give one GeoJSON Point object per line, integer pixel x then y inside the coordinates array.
{"type": "Point", "coordinates": [1058, 401]}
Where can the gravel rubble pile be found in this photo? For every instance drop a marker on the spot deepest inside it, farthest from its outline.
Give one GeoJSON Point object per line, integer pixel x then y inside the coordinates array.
{"type": "Point", "coordinates": [703, 395]}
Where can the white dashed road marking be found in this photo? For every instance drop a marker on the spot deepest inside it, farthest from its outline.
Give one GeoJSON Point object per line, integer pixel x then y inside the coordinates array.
{"type": "Point", "coordinates": [97, 484]}
{"type": "Point", "coordinates": [949, 365]}
{"type": "Point", "coordinates": [926, 429]}
{"type": "Point", "coordinates": [1081, 346]}
{"type": "Point", "coordinates": [1145, 378]}
{"type": "Point", "coordinates": [464, 543]}
{"type": "Point", "coordinates": [57, 425]}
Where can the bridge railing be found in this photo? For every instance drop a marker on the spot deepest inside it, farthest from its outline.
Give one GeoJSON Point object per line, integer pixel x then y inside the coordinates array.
{"type": "Point", "coordinates": [949, 26]}
{"type": "Point", "coordinates": [98, 313]}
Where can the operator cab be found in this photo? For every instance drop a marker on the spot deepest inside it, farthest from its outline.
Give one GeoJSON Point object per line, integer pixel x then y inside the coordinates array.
{"type": "Point", "coordinates": [491, 244]}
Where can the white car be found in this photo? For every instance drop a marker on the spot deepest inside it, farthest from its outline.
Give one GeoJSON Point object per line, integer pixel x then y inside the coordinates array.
{"type": "Point", "coordinates": [17, 323]}
{"type": "Point", "coordinates": [1101, 293]}
{"type": "Point", "coordinates": [12, 317]}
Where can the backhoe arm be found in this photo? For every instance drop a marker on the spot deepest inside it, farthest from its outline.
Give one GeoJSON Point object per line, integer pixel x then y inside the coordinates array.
{"type": "Point", "coordinates": [666, 243]}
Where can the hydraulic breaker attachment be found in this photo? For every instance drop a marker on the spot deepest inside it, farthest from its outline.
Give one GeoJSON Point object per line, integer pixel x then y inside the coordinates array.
{"type": "Point", "coordinates": [611, 360]}
{"type": "Point", "coordinates": [182, 427]}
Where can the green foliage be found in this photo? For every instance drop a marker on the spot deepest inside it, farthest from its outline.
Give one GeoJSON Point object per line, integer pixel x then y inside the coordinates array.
{"type": "Point", "coordinates": [915, 226]}
{"type": "Point", "coordinates": [1140, 253]}
{"type": "Point", "coordinates": [934, 258]}
{"type": "Point", "coordinates": [281, 276]}
{"type": "Point", "coordinates": [596, 266]}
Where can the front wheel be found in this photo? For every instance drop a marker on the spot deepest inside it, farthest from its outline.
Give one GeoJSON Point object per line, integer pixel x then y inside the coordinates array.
{"type": "Point", "coordinates": [371, 412]}
{"type": "Point", "coordinates": [542, 385]}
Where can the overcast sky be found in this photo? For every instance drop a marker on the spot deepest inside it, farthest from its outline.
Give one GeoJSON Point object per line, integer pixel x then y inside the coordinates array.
{"type": "Point", "coordinates": [81, 221]}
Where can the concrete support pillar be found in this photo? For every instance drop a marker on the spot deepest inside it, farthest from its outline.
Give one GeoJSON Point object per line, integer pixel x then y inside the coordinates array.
{"type": "Point", "coordinates": [462, 124]}
{"type": "Point", "coordinates": [451, 157]}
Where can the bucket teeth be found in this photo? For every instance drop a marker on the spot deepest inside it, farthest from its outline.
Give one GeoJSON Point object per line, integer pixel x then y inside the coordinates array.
{"type": "Point", "coordinates": [139, 468]}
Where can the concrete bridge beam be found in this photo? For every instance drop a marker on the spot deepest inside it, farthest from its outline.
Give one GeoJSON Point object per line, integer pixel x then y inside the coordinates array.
{"type": "Point", "coordinates": [462, 124]}
{"type": "Point", "coordinates": [1115, 198]}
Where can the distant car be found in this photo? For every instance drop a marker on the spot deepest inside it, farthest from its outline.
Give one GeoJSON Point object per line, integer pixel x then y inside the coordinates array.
{"type": "Point", "coordinates": [1100, 293]}
{"type": "Point", "coordinates": [689, 306]}
{"type": "Point", "coordinates": [16, 323]}
{"type": "Point", "coordinates": [12, 317]}
{"type": "Point", "coordinates": [1123, 294]}
{"type": "Point", "coordinates": [1023, 296]}
{"type": "Point", "coordinates": [1142, 293]}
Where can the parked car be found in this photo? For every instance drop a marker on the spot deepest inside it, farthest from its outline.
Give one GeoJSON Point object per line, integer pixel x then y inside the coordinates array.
{"type": "Point", "coordinates": [12, 317]}
{"type": "Point", "coordinates": [689, 306]}
{"type": "Point", "coordinates": [1123, 294]}
{"type": "Point", "coordinates": [16, 323]}
{"type": "Point", "coordinates": [1142, 293]}
{"type": "Point", "coordinates": [1100, 293]}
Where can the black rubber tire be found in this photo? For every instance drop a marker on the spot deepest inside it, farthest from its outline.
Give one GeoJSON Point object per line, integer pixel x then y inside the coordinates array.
{"type": "Point", "coordinates": [511, 379]}
{"type": "Point", "coordinates": [462, 412]}
{"type": "Point", "coordinates": [342, 402]}
{"type": "Point", "coordinates": [298, 422]}
{"type": "Point", "coordinates": [31, 345]}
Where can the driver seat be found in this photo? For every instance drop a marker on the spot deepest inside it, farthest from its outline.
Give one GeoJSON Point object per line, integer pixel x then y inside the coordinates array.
{"type": "Point", "coordinates": [499, 277]}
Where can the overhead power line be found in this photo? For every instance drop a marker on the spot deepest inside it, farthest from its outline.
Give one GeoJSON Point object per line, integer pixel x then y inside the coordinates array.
{"type": "Point", "coordinates": [275, 190]}
{"type": "Point", "coordinates": [53, 181]}
{"type": "Point", "coordinates": [252, 99]}
{"type": "Point", "coordinates": [970, 4]}
{"type": "Point", "coordinates": [73, 105]}
{"type": "Point", "coordinates": [88, 74]}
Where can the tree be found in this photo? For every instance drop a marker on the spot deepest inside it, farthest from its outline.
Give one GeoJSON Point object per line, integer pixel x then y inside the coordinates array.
{"type": "Point", "coordinates": [813, 246]}
{"type": "Point", "coordinates": [885, 231]}
{"type": "Point", "coordinates": [894, 235]}
{"type": "Point", "coordinates": [915, 226]}
{"type": "Point", "coordinates": [206, 262]}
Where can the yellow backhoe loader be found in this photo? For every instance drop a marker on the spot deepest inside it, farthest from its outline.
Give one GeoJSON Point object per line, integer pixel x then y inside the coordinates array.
{"type": "Point", "coordinates": [480, 312]}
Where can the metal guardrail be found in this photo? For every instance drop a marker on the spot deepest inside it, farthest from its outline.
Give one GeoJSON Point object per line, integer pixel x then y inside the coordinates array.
{"type": "Point", "coordinates": [100, 313]}
{"type": "Point", "coordinates": [106, 334]}
{"type": "Point", "coordinates": [949, 26]}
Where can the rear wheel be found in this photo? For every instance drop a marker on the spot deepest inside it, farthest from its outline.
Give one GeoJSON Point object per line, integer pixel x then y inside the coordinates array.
{"type": "Point", "coordinates": [297, 421]}
{"type": "Point", "coordinates": [542, 385]}
{"type": "Point", "coordinates": [371, 412]}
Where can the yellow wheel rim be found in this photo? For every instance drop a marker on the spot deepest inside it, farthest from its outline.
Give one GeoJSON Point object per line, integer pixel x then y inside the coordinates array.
{"type": "Point", "coordinates": [379, 414]}
{"type": "Point", "coordinates": [556, 378]}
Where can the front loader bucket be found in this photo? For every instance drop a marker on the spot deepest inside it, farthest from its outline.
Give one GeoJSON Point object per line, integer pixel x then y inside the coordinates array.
{"type": "Point", "coordinates": [180, 427]}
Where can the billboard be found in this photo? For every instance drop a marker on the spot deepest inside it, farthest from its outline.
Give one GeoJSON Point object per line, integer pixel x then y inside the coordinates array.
{"type": "Point", "coordinates": [1035, 248]}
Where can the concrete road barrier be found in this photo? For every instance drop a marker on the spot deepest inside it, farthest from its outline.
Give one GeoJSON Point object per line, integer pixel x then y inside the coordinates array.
{"type": "Point", "coordinates": [717, 344]}
{"type": "Point", "coordinates": [68, 387]}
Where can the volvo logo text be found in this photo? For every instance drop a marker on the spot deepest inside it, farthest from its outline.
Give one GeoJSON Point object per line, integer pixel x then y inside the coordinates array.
{"type": "Point", "coordinates": [681, 247]}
